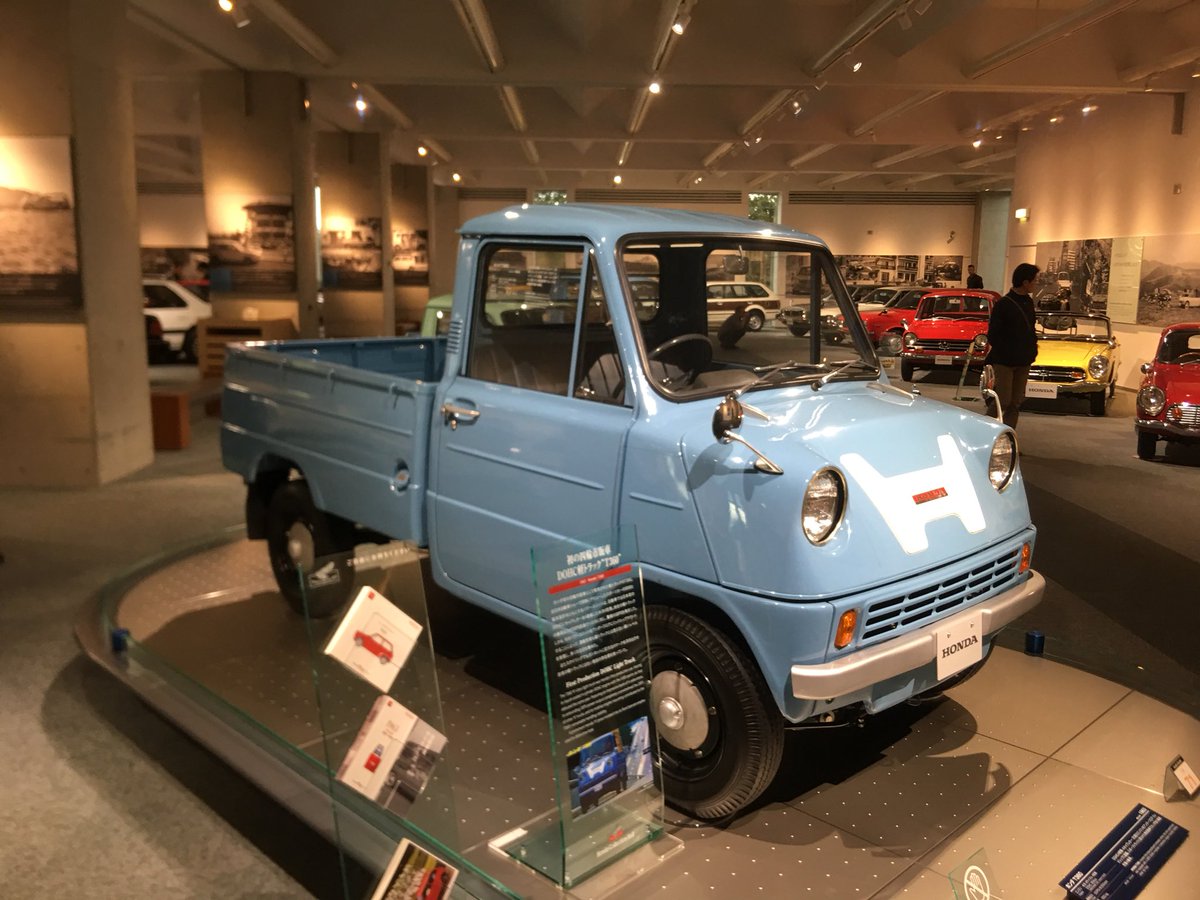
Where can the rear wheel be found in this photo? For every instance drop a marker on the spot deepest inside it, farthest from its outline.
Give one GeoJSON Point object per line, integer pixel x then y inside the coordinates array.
{"type": "Point", "coordinates": [754, 320]}
{"type": "Point", "coordinates": [721, 735]}
{"type": "Point", "coordinates": [1147, 445]}
{"type": "Point", "coordinates": [304, 542]}
{"type": "Point", "coordinates": [906, 369]}
{"type": "Point", "coordinates": [189, 346]}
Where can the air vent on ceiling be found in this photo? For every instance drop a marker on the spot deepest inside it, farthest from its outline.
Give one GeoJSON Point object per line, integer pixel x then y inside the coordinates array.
{"type": "Point", "coordinates": [884, 198]}
{"type": "Point", "coordinates": [609, 195]}
{"type": "Point", "coordinates": [509, 195]}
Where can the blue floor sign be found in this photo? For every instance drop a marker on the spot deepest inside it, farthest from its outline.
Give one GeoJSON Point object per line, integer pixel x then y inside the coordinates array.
{"type": "Point", "coordinates": [1128, 857]}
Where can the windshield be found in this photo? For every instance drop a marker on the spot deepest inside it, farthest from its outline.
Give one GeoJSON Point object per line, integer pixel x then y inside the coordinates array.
{"type": "Point", "coordinates": [954, 306]}
{"type": "Point", "coordinates": [1060, 327]}
{"type": "Point", "coordinates": [727, 309]}
{"type": "Point", "coordinates": [1180, 347]}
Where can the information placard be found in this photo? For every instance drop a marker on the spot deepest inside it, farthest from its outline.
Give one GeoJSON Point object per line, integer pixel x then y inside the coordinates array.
{"type": "Point", "coordinates": [1128, 857]}
{"type": "Point", "coordinates": [597, 671]}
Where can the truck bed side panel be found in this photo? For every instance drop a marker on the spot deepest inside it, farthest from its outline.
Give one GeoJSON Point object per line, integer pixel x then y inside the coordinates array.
{"type": "Point", "coordinates": [353, 416]}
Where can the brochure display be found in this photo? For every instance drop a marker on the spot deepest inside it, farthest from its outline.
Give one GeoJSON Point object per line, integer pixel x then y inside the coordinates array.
{"type": "Point", "coordinates": [597, 674]}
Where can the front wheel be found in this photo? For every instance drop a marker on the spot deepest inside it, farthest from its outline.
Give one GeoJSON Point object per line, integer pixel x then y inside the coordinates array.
{"type": "Point", "coordinates": [721, 735]}
{"type": "Point", "coordinates": [1147, 445]}
{"type": "Point", "coordinates": [755, 321]}
{"type": "Point", "coordinates": [304, 542]}
{"type": "Point", "coordinates": [906, 369]}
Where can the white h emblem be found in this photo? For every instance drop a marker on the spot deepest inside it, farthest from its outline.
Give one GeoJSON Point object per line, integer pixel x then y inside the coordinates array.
{"type": "Point", "coordinates": [911, 500]}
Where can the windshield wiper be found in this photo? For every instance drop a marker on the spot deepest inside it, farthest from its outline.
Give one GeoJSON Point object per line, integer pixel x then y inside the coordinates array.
{"type": "Point", "coordinates": [854, 363]}
{"type": "Point", "coordinates": [766, 373]}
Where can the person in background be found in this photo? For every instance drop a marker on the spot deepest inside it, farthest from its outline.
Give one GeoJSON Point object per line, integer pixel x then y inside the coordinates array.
{"type": "Point", "coordinates": [974, 282]}
{"type": "Point", "coordinates": [1012, 341]}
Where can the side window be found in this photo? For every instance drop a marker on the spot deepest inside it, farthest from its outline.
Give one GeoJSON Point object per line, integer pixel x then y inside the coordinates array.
{"type": "Point", "coordinates": [159, 297]}
{"type": "Point", "coordinates": [755, 290]}
{"type": "Point", "coordinates": [524, 317]}
{"type": "Point", "coordinates": [599, 375]}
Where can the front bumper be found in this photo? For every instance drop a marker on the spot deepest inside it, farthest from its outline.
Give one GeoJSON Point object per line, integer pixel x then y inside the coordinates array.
{"type": "Point", "coordinates": [876, 664]}
{"type": "Point", "coordinates": [931, 360]}
{"type": "Point", "coordinates": [1167, 430]}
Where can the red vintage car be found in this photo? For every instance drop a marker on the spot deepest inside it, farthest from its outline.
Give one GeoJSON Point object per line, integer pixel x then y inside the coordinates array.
{"type": "Point", "coordinates": [948, 324]}
{"type": "Point", "coordinates": [376, 644]}
{"type": "Point", "coordinates": [1168, 402]}
{"type": "Point", "coordinates": [886, 324]}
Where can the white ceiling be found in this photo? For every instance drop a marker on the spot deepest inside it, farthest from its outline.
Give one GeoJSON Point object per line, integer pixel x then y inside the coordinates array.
{"type": "Point", "coordinates": [756, 93]}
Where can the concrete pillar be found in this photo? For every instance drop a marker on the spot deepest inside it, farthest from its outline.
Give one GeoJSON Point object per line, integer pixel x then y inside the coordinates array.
{"type": "Point", "coordinates": [74, 398]}
{"type": "Point", "coordinates": [355, 187]}
{"type": "Point", "coordinates": [410, 231]}
{"type": "Point", "coordinates": [257, 158]}
{"type": "Point", "coordinates": [991, 238]}
{"type": "Point", "coordinates": [443, 237]}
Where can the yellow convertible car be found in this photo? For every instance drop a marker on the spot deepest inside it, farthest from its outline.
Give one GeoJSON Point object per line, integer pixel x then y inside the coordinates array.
{"type": "Point", "coordinates": [1077, 357]}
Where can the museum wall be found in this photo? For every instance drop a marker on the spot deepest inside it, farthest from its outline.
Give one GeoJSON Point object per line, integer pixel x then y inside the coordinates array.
{"type": "Point", "coordinates": [410, 217]}
{"type": "Point", "coordinates": [172, 220]}
{"type": "Point", "coordinates": [1110, 174]}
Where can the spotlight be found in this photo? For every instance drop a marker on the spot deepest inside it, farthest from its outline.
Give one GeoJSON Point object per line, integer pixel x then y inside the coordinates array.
{"type": "Point", "coordinates": [456, 178]}
{"type": "Point", "coordinates": [361, 105]}
{"type": "Point", "coordinates": [1054, 120]}
{"type": "Point", "coordinates": [617, 179]}
{"type": "Point", "coordinates": [699, 178]}
{"type": "Point", "coordinates": [977, 143]}
{"type": "Point", "coordinates": [681, 24]}
{"type": "Point", "coordinates": [655, 87]}
{"type": "Point", "coordinates": [1090, 108]}
{"type": "Point", "coordinates": [856, 65]}
{"type": "Point", "coordinates": [226, 5]}
{"type": "Point", "coordinates": [235, 9]}
{"type": "Point", "coordinates": [422, 150]}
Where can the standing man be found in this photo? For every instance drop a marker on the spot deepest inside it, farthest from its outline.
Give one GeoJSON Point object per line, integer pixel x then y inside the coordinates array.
{"type": "Point", "coordinates": [1013, 342]}
{"type": "Point", "coordinates": [974, 282]}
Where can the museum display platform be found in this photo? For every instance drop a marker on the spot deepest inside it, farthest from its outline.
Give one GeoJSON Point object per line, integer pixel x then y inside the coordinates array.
{"type": "Point", "coordinates": [1031, 762]}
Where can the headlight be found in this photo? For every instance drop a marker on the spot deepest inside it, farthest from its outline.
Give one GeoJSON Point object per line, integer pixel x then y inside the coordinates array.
{"type": "Point", "coordinates": [889, 344]}
{"type": "Point", "coordinates": [1003, 461]}
{"type": "Point", "coordinates": [910, 339]}
{"type": "Point", "coordinates": [980, 342]}
{"type": "Point", "coordinates": [824, 503]}
{"type": "Point", "coordinates": [1151, 399]}
{"type": "Point", "coordinates": [1098, 366]}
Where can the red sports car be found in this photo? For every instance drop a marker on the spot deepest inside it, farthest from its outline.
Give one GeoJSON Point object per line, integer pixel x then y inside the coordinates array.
{"type": "Point", "coordinates": [1168, 403]}
{"type": "Point", "coordinates": [888, 321]}
{"type": "Point", "coordinates": [948, 324]}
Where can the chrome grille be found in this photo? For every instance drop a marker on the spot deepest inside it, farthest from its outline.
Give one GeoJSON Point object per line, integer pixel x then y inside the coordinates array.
{"type": "Point", "coordinates": [1056, 373]}
{"type": "Point", "coordinates": [885, 618]}
{"type": "Point", "coordinates": [1188, 413]}
{"type": "Point", "coordinates": [940, 346]}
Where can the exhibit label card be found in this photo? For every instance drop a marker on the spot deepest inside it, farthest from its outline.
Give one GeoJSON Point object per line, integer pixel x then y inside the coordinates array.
{"type": "Point", "coordinates": [415, 874]}
{"type": "Point", "coordinates": [1124, 279]}
{"type": "Point", "coordinates": [374, 638]}
{"type": "Point", "coordinates": [1128, 857]}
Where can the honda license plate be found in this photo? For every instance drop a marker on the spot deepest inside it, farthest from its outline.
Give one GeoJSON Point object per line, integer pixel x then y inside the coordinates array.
{"type": "Point", "coordinates": [943, 360]}
{"type": "Point", "coordinates": [959, 645]}
{"type": "Point", "coordinates": [1047, 391]}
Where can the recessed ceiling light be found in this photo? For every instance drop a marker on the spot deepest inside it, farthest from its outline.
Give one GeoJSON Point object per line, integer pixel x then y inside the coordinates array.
{"type": "Point", "coordinates": [655, 87]}
{"type": "Point", "coordinates": [1054, 120]}
{"type": "Point", "coordinates": [856, 65]}
{"type": "Point", "coordinates": [977, 143]}
{"type": "Point", "coordinates": [1091, 107]}
{"type": "Point", "coordinates": [422, 150]}
{"type": "Point", "coordinates": [699, 178]}
{"type": "Point", "coordinates": [617, 179]}
{"type": "Point", "coordinates": [361, 105]}
{"type": "Point", "coordinates": [226, 5]}
{"type": "Point", "coordinates": [456, 178]}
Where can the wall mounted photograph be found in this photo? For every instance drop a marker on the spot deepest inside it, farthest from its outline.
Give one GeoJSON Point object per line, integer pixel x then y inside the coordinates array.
{"type": "Point", "coordinates": [1169, 288]}
{"type": "Point", "coordinates": [1074, 275]}
{"type": "Point", "coordinates": [187, 265]}
{"type": "Point", "coordinates": [352, 253]}
{"type": "Point", "coordinates": [410, 257]}
{"type": "Point", "coordinates": [251, 244]}
{"type": "Point", "coordinates": [943, 271]}
{"type": "Point", "coordinates": [39, 257]}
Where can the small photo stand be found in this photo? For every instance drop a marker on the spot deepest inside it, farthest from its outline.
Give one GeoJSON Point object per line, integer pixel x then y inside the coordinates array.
{"type": "Point", "coordinates": [415, 873]}
{"type": "Point", "coordinates": [1179, 778]}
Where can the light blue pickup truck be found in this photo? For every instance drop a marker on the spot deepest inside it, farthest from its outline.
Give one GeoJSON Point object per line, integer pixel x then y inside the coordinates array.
{"type": "Point", "coordinates": [816, 544]}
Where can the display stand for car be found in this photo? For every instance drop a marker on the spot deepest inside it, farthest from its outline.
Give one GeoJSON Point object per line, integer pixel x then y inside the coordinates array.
{"type": "Point", "coordinates": [202, 635]}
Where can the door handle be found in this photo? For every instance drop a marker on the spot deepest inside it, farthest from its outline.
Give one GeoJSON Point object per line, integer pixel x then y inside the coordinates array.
{"type": "Point", "coordinates": [452, 414]}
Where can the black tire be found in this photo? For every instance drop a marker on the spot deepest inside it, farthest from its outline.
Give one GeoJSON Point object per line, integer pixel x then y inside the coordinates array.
{"type": "Point", "coordinates": [798, 330]}
{"type": "Point", "coordinates": [755, 320]}
{"type": "Point", "coordinates": [743, 735]}
{"type": "Point", "coordinates": [1097, 403]}
{"type": "Point", "coordinates": [332, 543]}
{"type": "Point", "coordinates": [1147, 445]}
{"type": "Point", "coordinates": [189, 346]}
{"type": "Point", "coordinates": [906, 369]}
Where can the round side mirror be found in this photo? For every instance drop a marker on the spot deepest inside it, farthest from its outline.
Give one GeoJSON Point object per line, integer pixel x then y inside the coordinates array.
{"type": "Point", "coordinates": [727, 417]}
{"type": "Point", "coordinates": [1145, 367]}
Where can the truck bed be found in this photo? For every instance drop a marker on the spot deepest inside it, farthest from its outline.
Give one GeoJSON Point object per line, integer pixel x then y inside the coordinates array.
{"type": "Point", "coordinates": [353, 414]}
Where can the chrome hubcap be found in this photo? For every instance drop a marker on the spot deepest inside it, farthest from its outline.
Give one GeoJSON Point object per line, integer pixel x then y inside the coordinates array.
{"type": "Point", "coordinates": [680, 713]}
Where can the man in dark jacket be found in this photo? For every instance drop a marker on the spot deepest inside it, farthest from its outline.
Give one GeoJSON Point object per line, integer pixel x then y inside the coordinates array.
{"type": "Point", "coordinates": [974, 282]}
{"type": "Point", "coordinates": [1013, 341]}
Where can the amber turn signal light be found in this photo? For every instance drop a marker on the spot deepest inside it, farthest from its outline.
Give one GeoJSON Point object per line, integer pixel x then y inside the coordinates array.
{"type": "Point", "coordinates": [1026, 553]}
{"type": "Point", "coordinates": [845, 629]}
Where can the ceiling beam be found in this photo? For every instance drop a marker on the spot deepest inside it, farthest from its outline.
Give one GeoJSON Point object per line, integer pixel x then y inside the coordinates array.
{"type": "Point", "coordinates": [985, 160]}
{"type": "Point", "coordinates": [915, 179]}
{"type": "Point", "coordinates": [804, 157]}
{"type": "Point", "coordinates": [841, 178]}
{"type": "Point", "coordinates": [1159, 64]}
{"type": "Point", "coordinates": [1017, 115]}
{"type": "Point", "coordinates": [139, 16]}
{"type": "Point", "coordinates": [874, 18]}
{"type": "Point", "coordinates": [911, 153]}
{"type": "Point", "coordinates": [478, 24]}
{"type": "Point", "coordinates": [301, 35]}
{"type": "Point", "coordinates": [531, 152]}
{"type": "Point", "coordinates": [512, 107]}
{"type": "Point", "coordinates": [902, 107]}
{"type": "Point", "coordinates": [379, 101]}
{"type": "Point", "coordinates": [716, 154]}
{"type": "Point", "coordinates": [1076, 20]}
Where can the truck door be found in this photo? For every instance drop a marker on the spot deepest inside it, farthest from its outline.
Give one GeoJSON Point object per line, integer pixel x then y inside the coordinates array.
{"type": "Point", "coordinates": [529, 432]}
